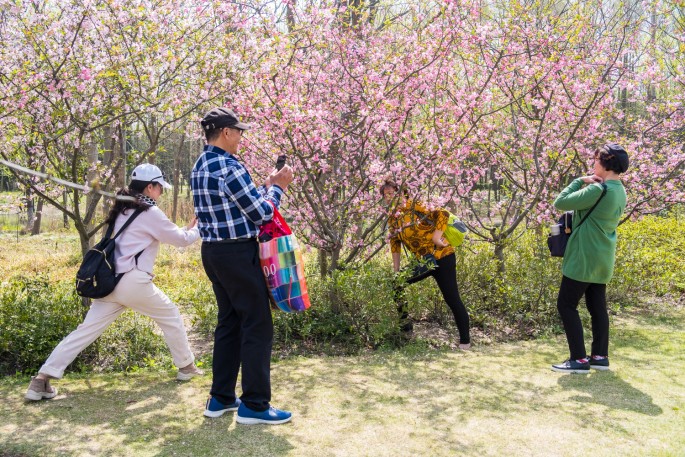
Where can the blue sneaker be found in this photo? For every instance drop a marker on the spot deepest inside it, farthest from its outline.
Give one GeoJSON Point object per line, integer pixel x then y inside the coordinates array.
{"type": "Point", "coordinates": [215, 408]}
{"type": "Point", "coordinates": [271, 416]}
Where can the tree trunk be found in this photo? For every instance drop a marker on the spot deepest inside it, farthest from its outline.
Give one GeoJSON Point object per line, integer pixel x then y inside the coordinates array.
{"type": "Point", "coordinates": [335, 257]}
{"type": "Point", "coordinates": [91, 197]}
{"type": "Point", "coordinates": [176, 177]}
{"type": "Point", "coordinates": [83, 237]}
{"type": "Point", "coordinates": [154, 138]}
{"type": "Point", "coordinates": [108, 160]}
{"type": "Point", "coordinates": [323, 263]}
{"type": "Point", "coordinates": [200, 144]}
{"type": "Point", "coordinates": [65, 218]}
{"type": "Point", "coordinates": [30, 213]}
{"type": "Point", "coordinates": [499, 257]}
{"type": "Point", "coordinates": [35, 230]}
{"type": "Point", "coordinates": [120, 181]}
{"type": "Point", "coordinates": [85, 246]}
{"type": "Point", "coordinates": [290, 14]}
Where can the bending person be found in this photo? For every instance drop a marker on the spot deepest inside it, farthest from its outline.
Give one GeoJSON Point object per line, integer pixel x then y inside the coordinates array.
{"type": "Point", "coordinates": [421, 233]}
{"type": "Point", "coordinates": [135, 253]}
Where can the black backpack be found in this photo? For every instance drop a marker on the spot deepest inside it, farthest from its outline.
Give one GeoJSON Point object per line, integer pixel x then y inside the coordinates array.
{"type": "Point", "coordinates": [97, 278]}
{"type": "Point", "coordinates": [557, 243]}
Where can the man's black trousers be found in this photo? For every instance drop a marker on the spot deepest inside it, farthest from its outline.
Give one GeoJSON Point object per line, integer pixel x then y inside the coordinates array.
{"type": "Point", "coordinates": [244, 332]}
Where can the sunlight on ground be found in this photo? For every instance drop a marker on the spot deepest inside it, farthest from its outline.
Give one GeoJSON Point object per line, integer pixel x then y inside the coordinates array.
{"type": "Point", "coordinates": [495, 400]}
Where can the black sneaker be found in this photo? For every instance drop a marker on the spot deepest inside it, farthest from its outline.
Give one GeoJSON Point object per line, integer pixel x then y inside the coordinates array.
{"type": "Point", "coordinates": [599, 363]}
{"type": "Point", "coordinates": [572, 366]}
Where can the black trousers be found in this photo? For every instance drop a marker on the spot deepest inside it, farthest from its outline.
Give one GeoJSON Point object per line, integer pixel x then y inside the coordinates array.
{"type": "Point", "coordinates": [446, 276]}
{"type": "Point", "coordinates": [570, 293]}
{"type": "Point", "coordinates": [244, 332]}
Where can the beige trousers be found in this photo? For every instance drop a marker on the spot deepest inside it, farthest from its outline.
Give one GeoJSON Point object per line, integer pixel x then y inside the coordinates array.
{"type": "Point", "coordinates": [136, 291]}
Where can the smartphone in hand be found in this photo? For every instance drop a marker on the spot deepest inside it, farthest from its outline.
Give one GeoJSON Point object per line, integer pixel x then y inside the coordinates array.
{"type": "Point", "coordinates": [280, 163]}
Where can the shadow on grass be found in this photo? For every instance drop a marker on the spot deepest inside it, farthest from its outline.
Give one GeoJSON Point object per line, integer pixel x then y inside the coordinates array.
{"type": "Point", "coordinates": [443, 394]}
{"type": "Point", "coordinates": [416, 401]}
{"type": "Point", "coordinates": [127, 412]}
{"type": "Point", "coordinates": [608, 389]}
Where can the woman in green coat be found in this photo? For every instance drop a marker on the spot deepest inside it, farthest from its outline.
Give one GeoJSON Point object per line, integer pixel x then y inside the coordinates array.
{"type": "Point", "coordinates": [589, 258]}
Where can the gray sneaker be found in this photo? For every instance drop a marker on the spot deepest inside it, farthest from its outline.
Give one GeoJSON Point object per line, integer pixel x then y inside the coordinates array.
{"type": "Point", "coordinates": [40, 389]}
{"type": "Point", "coordinates": [189, 372]}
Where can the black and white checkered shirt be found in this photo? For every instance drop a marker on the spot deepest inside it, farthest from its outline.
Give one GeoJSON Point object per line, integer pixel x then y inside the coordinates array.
{"type": "Point", "coordinates": [227, 203]}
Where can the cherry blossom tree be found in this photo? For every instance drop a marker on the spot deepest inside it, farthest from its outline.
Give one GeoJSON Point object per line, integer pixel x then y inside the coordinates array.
{"type": "Point", "coordinates": [652, 112]}
{"type": "Point", "coordinates": [487, 108]}
{"type": "Point", "coordinates": [548, 107]}
{"type": "Point", "coordinates": [81, 74]}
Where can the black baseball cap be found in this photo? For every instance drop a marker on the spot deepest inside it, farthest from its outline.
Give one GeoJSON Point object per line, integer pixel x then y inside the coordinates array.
{"type": "Point", "coordinates": [618, 153]}
{"type": "Point", "coordinates": [222, 117]}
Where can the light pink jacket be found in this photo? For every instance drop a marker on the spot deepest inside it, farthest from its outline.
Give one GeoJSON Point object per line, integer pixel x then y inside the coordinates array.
{"type": "Point", "coordinates": [150, 228]}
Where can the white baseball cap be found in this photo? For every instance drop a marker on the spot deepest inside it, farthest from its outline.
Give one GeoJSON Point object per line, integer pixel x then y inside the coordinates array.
{"type": "Point", "coordinates": [149, 173]}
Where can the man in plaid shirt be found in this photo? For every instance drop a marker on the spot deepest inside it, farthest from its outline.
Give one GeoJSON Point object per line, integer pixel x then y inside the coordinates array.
{"type": "Point", "coordinates": [230, 209]}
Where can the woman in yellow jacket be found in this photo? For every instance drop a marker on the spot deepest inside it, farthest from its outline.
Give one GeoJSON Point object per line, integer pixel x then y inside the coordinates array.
{"type": "Point", "coordinates": [421, 233]}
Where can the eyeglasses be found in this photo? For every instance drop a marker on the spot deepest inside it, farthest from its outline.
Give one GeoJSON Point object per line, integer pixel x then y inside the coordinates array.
{"type": "Point", "coordinates": [233, 128]}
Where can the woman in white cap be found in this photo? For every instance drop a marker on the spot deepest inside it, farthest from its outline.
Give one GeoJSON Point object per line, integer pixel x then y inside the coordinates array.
{"type": "Point", "coordinates": [135, 252]}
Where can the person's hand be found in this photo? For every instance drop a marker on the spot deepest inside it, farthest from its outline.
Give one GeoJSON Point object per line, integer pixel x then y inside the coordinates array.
{"type": "Point", "coordinates": [592, 179]}
{"type": "Point", "coordinates": [269, 179]}
{"type": "Point", "coordinates": [439, 240]}
{"type": "Point", "coordinates": [441, 243]}
{"type": "Point", "coordinates": [283, 177]}
{"type": "Point", "coordinates": [192, 224]}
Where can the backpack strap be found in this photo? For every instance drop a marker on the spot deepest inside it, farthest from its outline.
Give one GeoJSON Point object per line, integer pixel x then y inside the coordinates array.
{"type": "Point", "coordinates": [108, 232]}
{"type": "Point", "coordinates": [604, 192]}
{"type": "Point", "coordinates": [422, 217]}
{"type": "Point", "coordinates": [127, 223]}
{"type": "Point", "coordinates": [138, 255]}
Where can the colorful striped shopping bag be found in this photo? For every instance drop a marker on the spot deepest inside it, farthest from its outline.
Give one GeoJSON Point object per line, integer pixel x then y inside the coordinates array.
{"type": "Point", "coordinates": [281, 259]}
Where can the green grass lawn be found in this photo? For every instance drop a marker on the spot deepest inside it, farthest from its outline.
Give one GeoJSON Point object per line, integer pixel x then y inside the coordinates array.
{"type": "Point", "coordinates": [495, 400]}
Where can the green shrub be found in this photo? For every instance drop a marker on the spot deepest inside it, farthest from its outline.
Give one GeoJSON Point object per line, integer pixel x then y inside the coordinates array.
{"type": "Point", "coordinates": [354, 307]}
{"type": "Point", "coordinates": [519, 300]}
{"type": "Point", "coordinates": [649, 259]}
{"type": "Point", "coordinates": [351, 309]}
{"type": "Point", "coordinates": [36, 315]}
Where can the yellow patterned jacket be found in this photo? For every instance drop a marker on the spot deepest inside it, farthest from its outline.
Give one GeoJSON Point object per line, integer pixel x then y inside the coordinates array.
{"type": "Point", "coordinates": [413, 225]}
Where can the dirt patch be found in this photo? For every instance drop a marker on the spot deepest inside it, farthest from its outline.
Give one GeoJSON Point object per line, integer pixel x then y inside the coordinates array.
{"type": "Point", "coordinates": [200, 344]}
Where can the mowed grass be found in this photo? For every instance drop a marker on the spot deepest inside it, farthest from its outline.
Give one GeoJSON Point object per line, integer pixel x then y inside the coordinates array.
{"type": "Point", "coordinates": [499, 400]}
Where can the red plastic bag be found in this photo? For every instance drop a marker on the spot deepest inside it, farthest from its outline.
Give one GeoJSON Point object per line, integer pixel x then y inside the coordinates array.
{"type": "Point", "coordinates": [281, 259]}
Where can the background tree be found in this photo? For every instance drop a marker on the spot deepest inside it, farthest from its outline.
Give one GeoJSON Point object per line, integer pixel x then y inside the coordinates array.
{"type": "Point", "coordinates": [83, 76]}
{"type": "Point", "coordinates": [486, 107]}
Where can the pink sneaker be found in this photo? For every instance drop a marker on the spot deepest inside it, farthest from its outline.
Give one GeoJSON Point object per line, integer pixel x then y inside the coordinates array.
{"type": "Point", "coordinates": [40, 389]}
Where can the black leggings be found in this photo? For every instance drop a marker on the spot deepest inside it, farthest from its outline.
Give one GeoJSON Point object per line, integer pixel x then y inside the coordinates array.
{"type": "Point", "coordinates": [445, 274]}
{"type": "Point", "coordinates": [570, 294]}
